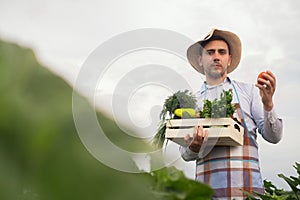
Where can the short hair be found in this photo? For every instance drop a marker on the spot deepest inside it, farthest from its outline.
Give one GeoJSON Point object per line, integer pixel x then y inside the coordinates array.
{"type": "Point", "coordinates": [213, 38]}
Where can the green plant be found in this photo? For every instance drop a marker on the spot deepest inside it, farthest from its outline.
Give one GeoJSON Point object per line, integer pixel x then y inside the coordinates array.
{"type": "Point", "coordinates": [41, 154]}
{"type": "Point", "coordinates": [170, 183]}
{"type": "Point", "coordinates": [159, 137]}
{"type": "Point", "coordinates": [218, 108]}
{"type": "Point", "coordinates": [272, 192]}
{"type": "Point", "coordinates": [180, 99]}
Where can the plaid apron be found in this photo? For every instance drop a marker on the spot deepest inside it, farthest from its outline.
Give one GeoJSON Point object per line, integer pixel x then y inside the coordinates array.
{"type": "Point", "coordinates": [232, 170]}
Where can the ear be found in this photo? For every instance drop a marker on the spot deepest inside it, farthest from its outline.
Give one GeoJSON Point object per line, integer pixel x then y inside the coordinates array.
{"type": "Point", "coordinates": [200, 61]}
{"type": "Point", "coordinates": [229, 60]}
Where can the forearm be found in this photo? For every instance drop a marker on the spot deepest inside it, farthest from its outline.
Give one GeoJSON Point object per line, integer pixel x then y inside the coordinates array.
{"type": "Point", "coordinates": [273, 127]}
{"type": "Point", "coordinates": [187, 154]}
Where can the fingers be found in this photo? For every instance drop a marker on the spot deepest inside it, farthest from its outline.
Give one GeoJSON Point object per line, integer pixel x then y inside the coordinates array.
{"type": "Point", "coordinates": [267, 84]}
{"type": "Point", "coordinates": [205, 135]}
{"type": "Point", "coordinates": [197, 140]}
{"type": "Point", "coordinates": [271, 78]}
{"type": "Point", "coordinates": [268, 81]}
{"type": "Point", "coordinates": [198, 134]}
{"type": "Point", "coordinates": [187, 137]}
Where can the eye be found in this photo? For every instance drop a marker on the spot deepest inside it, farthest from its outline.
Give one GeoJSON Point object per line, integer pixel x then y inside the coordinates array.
{"type": "Point", "coordinates": [210, 52]}
{"type": "Point", "coordinates": [222, 51]}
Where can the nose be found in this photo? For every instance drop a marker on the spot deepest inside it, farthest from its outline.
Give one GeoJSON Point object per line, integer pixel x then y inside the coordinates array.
{"type": "Point", "coordinates": [216, 56]}
{"type": "Point", "coordinates": [216, 59]}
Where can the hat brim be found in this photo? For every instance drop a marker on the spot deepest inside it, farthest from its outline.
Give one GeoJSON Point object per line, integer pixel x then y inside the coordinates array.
{"type": "Point", "coordinates": [193, 52]}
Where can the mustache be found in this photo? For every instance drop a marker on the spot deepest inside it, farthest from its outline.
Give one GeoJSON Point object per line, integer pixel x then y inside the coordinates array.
{"type": "Point", "coordinates": [216, 63]}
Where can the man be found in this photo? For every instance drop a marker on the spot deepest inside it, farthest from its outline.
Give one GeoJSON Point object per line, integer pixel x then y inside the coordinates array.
{"type": "Point", "coordinates": [231, 170]}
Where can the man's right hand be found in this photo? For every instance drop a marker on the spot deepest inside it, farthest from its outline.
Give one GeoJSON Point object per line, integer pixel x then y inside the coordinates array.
{"type": "Point", "coordinates": [200, 135]}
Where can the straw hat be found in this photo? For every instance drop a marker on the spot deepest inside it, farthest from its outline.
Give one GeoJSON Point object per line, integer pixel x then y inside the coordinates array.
{"type": "Point", "coordinates": [233, 41]}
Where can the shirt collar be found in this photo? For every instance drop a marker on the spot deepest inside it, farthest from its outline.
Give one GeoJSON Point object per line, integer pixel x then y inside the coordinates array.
{"type": "Point", "coordinates": [205, 86]}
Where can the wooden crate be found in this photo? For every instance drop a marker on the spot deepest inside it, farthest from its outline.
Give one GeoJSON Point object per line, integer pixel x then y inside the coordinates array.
{"type": "Point", "coordinates": [221, 131]}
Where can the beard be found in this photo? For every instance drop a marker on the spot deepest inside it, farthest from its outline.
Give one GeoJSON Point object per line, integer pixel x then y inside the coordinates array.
{"type": "Point", "coordinates": [215, 73]}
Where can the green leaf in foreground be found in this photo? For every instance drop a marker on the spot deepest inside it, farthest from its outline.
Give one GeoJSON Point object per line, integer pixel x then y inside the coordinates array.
{"type": "Point", "coordinates": [171, 183]}
{"type": "Point", "coordinates": [293, 182]}
{"type": "Point", "coordinates": [272, 192]}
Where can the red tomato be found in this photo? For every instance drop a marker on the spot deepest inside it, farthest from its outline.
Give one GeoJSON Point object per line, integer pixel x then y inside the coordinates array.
{"type": "Point", "coordinates": [261, 75]}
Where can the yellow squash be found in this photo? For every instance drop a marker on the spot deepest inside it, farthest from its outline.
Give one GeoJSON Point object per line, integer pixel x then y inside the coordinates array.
{"type": "Point", "coordinates": [186, 112]}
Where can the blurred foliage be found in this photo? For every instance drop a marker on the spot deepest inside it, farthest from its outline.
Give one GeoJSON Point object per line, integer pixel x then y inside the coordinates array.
{"type": "Point", "coordinates": [41, 155]}
{"type": "Point", "coordinates": [272, 192]}
{"type": "Point", "coordinates": [119, 138]}
{"type": "Point", "coordinates": [171, 183]}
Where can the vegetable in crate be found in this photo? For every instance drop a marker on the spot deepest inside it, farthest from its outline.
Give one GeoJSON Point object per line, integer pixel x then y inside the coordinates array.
{"type": "Point", "coordinates": [218, 108]}
{"type": "Point", "coordinates": [180, 99]}
{"type": "Point", "coordinates": [181, 104]}
{"type": "Point", "coordinates": [185, 112]}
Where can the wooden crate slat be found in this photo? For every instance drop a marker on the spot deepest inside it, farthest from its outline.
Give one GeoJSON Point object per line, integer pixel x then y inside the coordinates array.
{"type": "Point", "coordinates": [223, 136]}
{"type": "Point", "coordinates": [200, 121]}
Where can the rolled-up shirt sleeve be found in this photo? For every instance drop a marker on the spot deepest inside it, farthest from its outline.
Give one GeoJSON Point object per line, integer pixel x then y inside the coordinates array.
{"type": "Point", "coordinates": [272, 127]}
{"type": "Point", "coordinates": [187, 154]}
{"type": "Point", "coordinates": [268, 123]}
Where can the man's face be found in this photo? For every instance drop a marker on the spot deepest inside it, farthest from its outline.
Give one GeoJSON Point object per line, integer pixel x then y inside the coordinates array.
{"type": "Point", "coordinates": [215, 59]}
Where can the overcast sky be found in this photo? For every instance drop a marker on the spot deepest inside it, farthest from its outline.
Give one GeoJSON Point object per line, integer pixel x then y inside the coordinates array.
{"type": "Point", "coordinates": [65, 33]}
